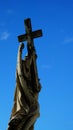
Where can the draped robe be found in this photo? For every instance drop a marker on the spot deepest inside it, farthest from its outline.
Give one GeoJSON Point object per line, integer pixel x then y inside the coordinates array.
{"type": "Point", "coordinates": [26, 108]}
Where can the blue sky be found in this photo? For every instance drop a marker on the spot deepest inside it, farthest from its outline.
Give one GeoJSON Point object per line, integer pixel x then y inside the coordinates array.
{"type": "Point", "coordinates": [55, 58]}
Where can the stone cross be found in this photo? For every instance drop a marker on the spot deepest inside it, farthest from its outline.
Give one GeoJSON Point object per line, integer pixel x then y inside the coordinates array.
{"type": "Point", "coordinates": [30, 35]}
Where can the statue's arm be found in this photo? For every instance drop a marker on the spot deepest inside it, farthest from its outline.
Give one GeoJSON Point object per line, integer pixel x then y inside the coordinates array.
{"type": "Point", "coordinates": [34, 71]}
{"type": "Point", "coordinates": [21, 77]}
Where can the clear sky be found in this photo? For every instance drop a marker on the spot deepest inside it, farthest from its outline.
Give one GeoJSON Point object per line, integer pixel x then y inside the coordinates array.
{"type": "Point", "coordinates": [55, 58]}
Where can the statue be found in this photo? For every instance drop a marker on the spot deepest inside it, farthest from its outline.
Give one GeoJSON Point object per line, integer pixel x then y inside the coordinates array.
{"type": "Point", "coordinates": [26, 107]}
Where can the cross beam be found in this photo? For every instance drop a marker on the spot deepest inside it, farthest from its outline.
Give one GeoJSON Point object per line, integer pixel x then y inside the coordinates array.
{"type": "Point", "coordinates": [29, 36]}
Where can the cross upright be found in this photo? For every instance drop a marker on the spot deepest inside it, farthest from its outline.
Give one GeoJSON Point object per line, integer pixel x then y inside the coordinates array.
{"type": "Point", "coordinates": [30, 35]}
